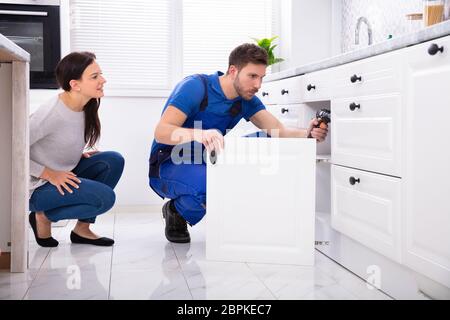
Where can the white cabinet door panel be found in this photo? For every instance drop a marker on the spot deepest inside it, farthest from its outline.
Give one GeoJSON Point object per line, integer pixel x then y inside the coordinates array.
{"type": "Point", "coordinates": [369, 137]}
{"type": "Point", "coordinates": [427, 207]}
{"type": "Point", "coordinates": [367, 210]}
{"type": "Point", "coordinates": [260, 201]}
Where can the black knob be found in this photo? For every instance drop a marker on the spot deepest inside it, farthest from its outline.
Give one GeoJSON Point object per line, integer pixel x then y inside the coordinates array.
{"type": "Point", "coordinates": [354, 106]}
{"type": "Point", "coordinates": [265, 94]}
{"type": "Point", "coordinates": [284, 110]}
{"type": "Point", "coordinates": [284, 91]}
{"type": "Point", "coordinates": [310, 87]}
{"type": "Point", "coordinates": [434, 48]}
{"type": "Point", "coordinates": [353, 180]}
{"type": "Point", "coordinates": [355, 78]}
{"type": "Point", "coordinates": [213, 157]}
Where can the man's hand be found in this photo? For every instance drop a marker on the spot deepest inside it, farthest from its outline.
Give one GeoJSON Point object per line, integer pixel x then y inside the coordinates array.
{"type": "Point", "coordinates": [61, 179]}
{"type": "Point", "coordinates": [212, 139]}
{"type": "Point", "coordinates": [319, 133]}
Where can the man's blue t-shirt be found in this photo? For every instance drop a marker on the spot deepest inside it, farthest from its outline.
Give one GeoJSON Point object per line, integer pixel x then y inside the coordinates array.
{"type": "Point", "coordinates": [188, 95]}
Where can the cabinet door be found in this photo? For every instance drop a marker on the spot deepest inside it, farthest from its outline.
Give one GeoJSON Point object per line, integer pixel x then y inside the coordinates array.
{"type": "Point", "coordinates": [366, 133]}
{"type": "Point", "coordinates": [366, 207]}
{"type": "Point", "coordinates": [5, 155]}
{"type": "Point", "coordinates": [427, 223]}
{"type": "Point", "coordinates": [260, 201]}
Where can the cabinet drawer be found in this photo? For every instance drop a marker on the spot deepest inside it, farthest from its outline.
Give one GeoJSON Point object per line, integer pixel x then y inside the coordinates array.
{"type": "Point", "coordinates": [290, 115]}
{"type": "Point", "coordinates": [319, 85]}
{"type": "Point", "coordinates": [267, 93]}
{"type": "Point", "coordinates": [367, 210]}
{"type": "Point", "coordinates": [366, 133]}
{"type": "Point", "coordinates": [290, 90]}
{"type": "Point", "coordinates": [283, 91]}
{"type": "Point", "coordinates": [379, 74]}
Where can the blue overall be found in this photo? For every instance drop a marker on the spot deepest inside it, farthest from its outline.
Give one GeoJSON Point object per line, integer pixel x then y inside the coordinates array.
{"type": "Point", "coordinates": [201, 98]}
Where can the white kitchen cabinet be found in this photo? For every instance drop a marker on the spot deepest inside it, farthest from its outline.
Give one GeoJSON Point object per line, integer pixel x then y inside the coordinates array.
{"type": "Point", "coordinates": [265, 212]}
{"type": "Point", "coordinates": [427, 179]}
{"type": "Point", "coordinates": [285, 91]}
{"type": "Point", "coordinates": [319, 85]}
{"type": "Point", "coordinates": [5, 156]}
{"type": "Point", "coordinates": [268, 93]}
{"type": "Point", "coordinates": [375, 75]}
{"type": "Point", "coordinates": [367, 133]}
{"type": "Point", "coordinates": [367, 208]}
{"type": "Point", "coordinates": [289, 90]}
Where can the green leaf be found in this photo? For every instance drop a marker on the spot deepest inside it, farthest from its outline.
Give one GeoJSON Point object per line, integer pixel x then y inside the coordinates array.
{"type": "Point", "coordinates": [266, 43]}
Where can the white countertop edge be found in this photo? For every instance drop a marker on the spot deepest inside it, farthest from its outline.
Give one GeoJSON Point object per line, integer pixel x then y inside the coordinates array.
{"type": "Point", "coordinates": [430, 33]}
{"type": "Point", "coordinates": [14, 50]}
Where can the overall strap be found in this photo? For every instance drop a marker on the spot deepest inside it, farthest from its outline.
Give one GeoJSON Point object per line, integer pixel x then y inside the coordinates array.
{"type": "Point", "coordinates": [235, 109]}
{"type": "Point", "coordinates": [204, 102]}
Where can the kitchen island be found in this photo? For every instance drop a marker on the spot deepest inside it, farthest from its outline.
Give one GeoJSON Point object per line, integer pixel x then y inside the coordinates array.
{"type": "Point", "coordinates": [14, 155]}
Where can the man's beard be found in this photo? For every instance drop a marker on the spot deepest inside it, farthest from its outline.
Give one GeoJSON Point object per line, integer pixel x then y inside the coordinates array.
{"type": "Point", "coordinates": [240, 91]}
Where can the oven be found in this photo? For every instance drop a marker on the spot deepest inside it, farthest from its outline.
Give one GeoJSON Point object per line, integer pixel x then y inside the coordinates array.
{"type": "Point", "coordinates": [35, 28]}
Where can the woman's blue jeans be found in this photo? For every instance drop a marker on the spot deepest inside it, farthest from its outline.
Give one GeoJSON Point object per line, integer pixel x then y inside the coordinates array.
{"type": "Point", "coordinates": [99, 175]}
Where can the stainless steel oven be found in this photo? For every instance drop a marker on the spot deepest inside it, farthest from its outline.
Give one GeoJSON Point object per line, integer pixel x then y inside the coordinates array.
{"type": "Point", "coordinates": [35, 28]}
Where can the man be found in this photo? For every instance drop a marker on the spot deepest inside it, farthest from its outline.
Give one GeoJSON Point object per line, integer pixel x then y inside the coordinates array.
{"type": "Point", "coordinates": [200, 110]}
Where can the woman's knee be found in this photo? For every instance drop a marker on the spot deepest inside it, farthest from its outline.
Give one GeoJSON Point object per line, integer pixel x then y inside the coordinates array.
{"type": "Point", "coordinates": [115, 160]}
{"type": "Point", "coordinates": [106, 198]}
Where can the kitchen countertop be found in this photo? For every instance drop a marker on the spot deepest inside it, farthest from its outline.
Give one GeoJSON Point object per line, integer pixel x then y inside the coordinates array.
{"type": "Point", "coordinates": [432, 32]}
{"type": "Point", "coordinates": [9, 51]}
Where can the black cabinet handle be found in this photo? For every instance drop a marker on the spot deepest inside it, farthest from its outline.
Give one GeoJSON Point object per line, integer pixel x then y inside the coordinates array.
{"type": "Point", "coordinates": [310, 87]}
{"type": "Point", "coordinates": [284, 91]}
{"type": "Point", "coordinates": [213, 157]}
{"type": "Point", "coordinates": [354, 106]}
{"type": "Point", "coordinates": [353, 180]}
{"type": "Point", "coordinates": [434, 48]}
{"type": "Point", "coordinates": [355, 78]}
{"type": "Point", "coordinates": [265, 94]}
{"type": "Point", "coordinates": [284, 110]}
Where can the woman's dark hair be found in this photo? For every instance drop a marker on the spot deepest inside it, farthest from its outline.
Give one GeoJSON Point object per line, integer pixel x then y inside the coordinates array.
{"type": "Point", "coordinates": [247, 53]}
{"type": "Point", "coordinates": [71, 67]}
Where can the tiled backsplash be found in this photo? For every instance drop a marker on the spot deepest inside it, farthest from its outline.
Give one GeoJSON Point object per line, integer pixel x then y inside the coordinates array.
{"type": "Point", "coordinates": [387, 17]}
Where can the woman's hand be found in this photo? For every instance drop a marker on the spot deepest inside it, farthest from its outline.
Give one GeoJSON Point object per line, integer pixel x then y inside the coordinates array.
{"type": "Point", "coordinates": [61, 179]}
{"type": "Point", "coordinates": [88, 154]}
{"type": "Point", "coordinates": [212, 139]}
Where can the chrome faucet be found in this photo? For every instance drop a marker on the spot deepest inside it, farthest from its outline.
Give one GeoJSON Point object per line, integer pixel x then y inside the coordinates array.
{"type": "Point", "coordinates": [369, 29]}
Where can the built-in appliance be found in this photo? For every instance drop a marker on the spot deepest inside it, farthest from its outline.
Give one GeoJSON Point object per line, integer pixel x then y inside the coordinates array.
{"type": "Point", "coordinates": [35, 28]}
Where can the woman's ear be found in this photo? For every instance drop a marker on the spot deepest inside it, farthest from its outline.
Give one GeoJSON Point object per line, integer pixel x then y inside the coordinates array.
{"type": "Point", "coordinates": [74, 85]}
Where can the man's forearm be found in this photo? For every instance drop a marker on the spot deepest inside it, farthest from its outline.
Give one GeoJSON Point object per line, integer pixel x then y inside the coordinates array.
{"type": "Point", "coordinates": [286, 132]}
{"type": "Point", "coordinates": [172, 135]}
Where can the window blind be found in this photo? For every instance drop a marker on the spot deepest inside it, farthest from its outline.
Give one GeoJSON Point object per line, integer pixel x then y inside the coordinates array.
{"type": "Point", "coordinates": [132, 41]}
{"type": "Point", "coordinates": [212, 28]}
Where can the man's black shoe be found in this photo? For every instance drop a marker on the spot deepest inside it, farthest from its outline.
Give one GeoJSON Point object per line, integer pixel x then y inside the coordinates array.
{"type": "Point", "coordinates": [176, 226]}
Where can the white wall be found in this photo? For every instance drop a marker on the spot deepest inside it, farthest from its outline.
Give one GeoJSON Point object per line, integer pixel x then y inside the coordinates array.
{"type": "Point", "coordinates": [127, 127]}
{"type": "Point", "coordinates": [305, 31]}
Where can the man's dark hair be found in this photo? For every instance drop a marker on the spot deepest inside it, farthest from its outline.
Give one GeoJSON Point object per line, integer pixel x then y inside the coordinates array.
{"type": "Point", "coordinates": [247, 53]}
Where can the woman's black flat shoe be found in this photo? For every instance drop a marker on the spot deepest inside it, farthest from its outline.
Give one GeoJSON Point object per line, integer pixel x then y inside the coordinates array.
{"type": "Point", "coordinates": [104, 242]}
{"type": "Point", "coordinates": [43, 242]}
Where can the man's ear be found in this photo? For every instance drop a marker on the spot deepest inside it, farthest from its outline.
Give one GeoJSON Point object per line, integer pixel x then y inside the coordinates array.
{"type": "Point", "coordinates": [233, 71]}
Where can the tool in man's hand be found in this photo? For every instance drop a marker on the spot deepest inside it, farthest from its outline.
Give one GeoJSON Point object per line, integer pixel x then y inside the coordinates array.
{"type": "Point", "coordinates": [324, 118]}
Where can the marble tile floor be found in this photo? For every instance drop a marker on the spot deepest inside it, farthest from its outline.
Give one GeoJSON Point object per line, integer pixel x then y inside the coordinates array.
{"type": "Point", "coordinates": [144, 265]}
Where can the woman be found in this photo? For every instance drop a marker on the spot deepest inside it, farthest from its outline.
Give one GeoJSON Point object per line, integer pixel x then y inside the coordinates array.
{"type": "Point", "coordinates": [65, 182]}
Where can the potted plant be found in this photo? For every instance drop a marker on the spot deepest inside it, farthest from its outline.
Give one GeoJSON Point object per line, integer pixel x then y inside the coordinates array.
{"type": "Point", "coordinates": [267, 45]}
